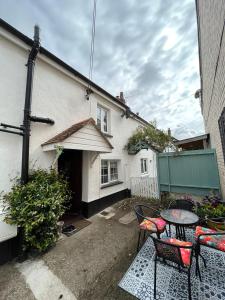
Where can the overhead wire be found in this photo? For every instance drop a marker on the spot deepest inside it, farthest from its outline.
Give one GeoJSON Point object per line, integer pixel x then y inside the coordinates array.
{"type": "Point", "coordinates": [92, 50]}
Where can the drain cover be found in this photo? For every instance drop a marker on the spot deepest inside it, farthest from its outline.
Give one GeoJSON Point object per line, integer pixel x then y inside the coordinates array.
{"type": "Point", "coordinates": [104, 213]}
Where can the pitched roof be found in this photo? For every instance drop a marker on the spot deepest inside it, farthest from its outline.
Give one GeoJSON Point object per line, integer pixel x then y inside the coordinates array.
{"type": "Point", "coordinates": [74, 128]}
{"type": "Point", "coordinates": [192, 139]}
{"type": "Point", "coordinates": [57, 60]}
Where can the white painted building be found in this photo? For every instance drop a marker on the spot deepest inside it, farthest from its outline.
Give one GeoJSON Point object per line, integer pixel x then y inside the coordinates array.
{"type": "Point", "coordinates": [102, 163]}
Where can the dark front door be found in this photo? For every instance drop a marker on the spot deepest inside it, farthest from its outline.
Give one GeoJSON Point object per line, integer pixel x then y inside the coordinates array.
{"type": "Point", "coordinates": [70, 164]}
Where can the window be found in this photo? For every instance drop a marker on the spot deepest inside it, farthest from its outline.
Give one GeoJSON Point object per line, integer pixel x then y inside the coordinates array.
{"type": "Point", "coordinates": [144, 168]}
{"type": "Point", "coordinates": [222, 130]}
{"type": "Point", "coordinates": [109, 171]}
{"type": "Point", "coordinates": [102, 119]}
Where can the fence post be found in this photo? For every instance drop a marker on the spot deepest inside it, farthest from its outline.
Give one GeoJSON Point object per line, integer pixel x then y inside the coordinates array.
{"type": "Point", "coordinates": [168, 168]}
{"type": "Point", "coordinates": [157, 175]}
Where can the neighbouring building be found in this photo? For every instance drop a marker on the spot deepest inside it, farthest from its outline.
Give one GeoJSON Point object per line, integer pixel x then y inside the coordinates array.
{"type": "Point", "coordinates": [194, 143]}
{"type": "Point", "coordinates": [211, 38]}
{"type": "Point", "coordinates": [92, 133]}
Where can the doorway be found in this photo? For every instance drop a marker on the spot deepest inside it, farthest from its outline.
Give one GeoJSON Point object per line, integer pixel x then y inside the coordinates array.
{"type": "Point", "coordinates": [70, 164]}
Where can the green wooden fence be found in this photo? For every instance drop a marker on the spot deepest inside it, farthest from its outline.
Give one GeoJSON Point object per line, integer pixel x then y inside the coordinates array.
{"type": "Point", "coordinates": [193, 172]}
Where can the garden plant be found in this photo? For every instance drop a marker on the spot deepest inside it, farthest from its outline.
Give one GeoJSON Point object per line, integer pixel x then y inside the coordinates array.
{"type": "Point", "coordinates": [36, 207]}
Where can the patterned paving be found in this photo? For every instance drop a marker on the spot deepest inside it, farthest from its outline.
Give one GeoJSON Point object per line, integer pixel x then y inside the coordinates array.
{"type": "Point", "coordinates": [172, 285]}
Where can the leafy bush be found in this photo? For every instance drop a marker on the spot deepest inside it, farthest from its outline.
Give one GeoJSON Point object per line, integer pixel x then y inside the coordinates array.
{"type": "Point", "coordinates": [36, 208]}
{"type": "Point", "coordinates": [211, 207]}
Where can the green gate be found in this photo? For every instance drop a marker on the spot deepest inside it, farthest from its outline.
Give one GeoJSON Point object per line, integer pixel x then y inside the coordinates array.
{"type": "Point", "coordinates": [192, 172]}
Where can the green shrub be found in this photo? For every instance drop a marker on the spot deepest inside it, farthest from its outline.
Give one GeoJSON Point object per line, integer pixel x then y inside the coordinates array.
{"type": "Point", "coordinates": [36, 207]}
{"type": "Point", "coordinates": [211, 207]}
{"type": "Point", "coordinates": [209, 211]}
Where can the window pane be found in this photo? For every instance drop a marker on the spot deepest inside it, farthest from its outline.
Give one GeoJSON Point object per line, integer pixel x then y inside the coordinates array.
{"type": "Point", "coordinates": [145, 165]}
{"type": "Point", "coordinates": [104, 171]}
{"type": "Point", "coordinates": [142, 168]}
{"type": "Point", "coordinates": [113, 170]}
{"type": "Point", "coordinates": [99, 117]}
{"type": "Point", "coordinates": [105, 120]}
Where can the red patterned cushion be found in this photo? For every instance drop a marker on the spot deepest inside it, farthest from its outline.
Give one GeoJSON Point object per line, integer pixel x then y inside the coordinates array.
{"type": "Point", "coordinates": [185, 253]}
{"type": "Point", "coordinates": [215, 241]}
{"type": "Point", "coordinates": [148, 225]}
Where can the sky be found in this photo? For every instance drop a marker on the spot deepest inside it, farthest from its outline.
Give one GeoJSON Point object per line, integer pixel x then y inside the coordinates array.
{"type": "Point", "coordinates": [148, 49]}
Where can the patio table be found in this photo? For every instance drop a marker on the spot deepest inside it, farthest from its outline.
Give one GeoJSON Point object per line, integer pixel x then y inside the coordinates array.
{"type": "Point", "coordinates": [180, 218]}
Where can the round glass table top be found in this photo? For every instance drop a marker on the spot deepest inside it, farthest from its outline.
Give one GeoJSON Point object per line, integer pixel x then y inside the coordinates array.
{"type": "Point", "coordinates": [179, 216]}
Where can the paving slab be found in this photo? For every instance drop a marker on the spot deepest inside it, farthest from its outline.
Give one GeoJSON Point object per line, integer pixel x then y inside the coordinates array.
{"type": "Point", "coordinates": [128, 218]}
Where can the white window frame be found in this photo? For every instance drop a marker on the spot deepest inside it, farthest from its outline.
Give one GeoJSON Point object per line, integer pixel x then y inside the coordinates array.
{"type": "Point", "coordinates": [109, 161]}
{"type": "Point", "coordinates": [144, 166]}
{"type": "Point", "coordinates": [102, 118]}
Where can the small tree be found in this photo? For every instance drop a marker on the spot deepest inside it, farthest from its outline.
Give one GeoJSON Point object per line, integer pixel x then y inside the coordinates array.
{"type": "Point", "coordinates": [152, 136]}
{"type": "Point", "coordinates": [36, 207]}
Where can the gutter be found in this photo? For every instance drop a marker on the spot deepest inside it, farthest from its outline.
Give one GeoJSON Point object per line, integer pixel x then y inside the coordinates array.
{"type": "Point", "coordinates": [27, 105]}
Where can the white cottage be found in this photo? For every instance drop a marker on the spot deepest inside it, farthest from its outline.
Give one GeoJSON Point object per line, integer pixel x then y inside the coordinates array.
{"type": "Point", "coordinates": [92, 133]}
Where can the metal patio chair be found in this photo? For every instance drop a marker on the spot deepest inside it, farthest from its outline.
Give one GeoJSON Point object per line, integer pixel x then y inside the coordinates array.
{"type": "Point", "coordinates": [174, 251]}
{"type": "Point", "coordinates": [209, 238]}
{"type": "Point", "coordinates": [181, 204]}
{"type": "Point", "coordinates": [148, 224]}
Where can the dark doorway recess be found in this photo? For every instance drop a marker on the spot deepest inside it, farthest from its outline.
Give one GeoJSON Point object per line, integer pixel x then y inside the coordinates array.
{"type": "Point", "coordinates": [70, 164]}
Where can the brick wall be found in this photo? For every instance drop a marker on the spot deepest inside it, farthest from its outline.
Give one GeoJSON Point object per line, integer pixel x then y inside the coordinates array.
{"type": "Point", "coordinates": [211, 16]}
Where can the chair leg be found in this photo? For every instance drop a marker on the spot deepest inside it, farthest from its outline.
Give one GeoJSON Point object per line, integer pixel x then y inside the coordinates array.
{"type": "Point", "coordinates": [139, 237]}
{"type": "Point", "coordinates": [167, 234]}
{"type": "Point", "coordinates": [189, 284]}
{"type": "Point", "coordinates": [155, 270]}
{"type": "Point", "coordinates": [144, 237]}
{"type": "Point", "coordinates": [197, 269]}
{"type": "Point", "coordinates": [203, 260]}
{"type": "Point", "coordinates": [199, 253]}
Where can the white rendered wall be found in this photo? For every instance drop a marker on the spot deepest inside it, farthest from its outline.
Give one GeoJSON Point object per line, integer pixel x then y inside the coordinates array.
{"type": "Point", "coordinates": [58, 95]}
{"type": "Point", "coordinates": [12, 91]}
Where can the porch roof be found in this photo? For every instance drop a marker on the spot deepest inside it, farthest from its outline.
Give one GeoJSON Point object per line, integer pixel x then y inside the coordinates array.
{"type": "Point", "coordinates": [84, 135]}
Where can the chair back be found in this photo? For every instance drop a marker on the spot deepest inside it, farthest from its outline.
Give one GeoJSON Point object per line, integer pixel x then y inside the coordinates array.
{"type": "Point", "coordinates": [139, 213]}
{"type": "Point", "coordinates": [169, 252]}
{"type": "Point", "coordinates": [182, 204]}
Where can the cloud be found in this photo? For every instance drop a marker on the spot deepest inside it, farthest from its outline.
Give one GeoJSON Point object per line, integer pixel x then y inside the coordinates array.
{"type": "Point", "coordinates": [148, 49]}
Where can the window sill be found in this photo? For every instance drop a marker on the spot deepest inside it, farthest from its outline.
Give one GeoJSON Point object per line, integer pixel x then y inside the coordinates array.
{"type": "Point", "coordinates": [107, 135]}
{"type": "Point", "coordinates": [111, 184]}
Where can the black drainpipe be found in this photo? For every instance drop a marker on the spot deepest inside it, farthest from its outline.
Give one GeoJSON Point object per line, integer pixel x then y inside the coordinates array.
{"type": "Point", "coordinates": [27, 106]}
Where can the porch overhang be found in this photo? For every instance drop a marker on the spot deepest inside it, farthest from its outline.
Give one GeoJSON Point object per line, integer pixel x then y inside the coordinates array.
{"type": "Point", "coordinates": [84, 135]}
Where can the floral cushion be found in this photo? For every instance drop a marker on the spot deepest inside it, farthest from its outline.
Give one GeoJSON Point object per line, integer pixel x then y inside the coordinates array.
{"type": "Point", "coordinates": [148, 225]}
{"type": "Point", "coordinates": [215, 241]}
{"type": "Point", "coordinates": [185, 253]}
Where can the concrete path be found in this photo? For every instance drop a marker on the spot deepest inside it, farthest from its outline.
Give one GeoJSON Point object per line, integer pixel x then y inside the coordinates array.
{"type": "Point", "coordinates": [42, 282]}
{"type": "Point", "coordinates": [87, 265]}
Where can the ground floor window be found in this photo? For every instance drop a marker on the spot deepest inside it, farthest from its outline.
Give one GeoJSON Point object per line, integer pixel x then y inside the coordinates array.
{"type": "Point", "coordinates": [109, 171]}
{"type": "Point", "coordinates": [144, 168]}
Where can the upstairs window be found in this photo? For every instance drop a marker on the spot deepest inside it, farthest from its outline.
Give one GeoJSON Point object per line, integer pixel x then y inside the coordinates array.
{"type": "Point", "coordinates": [144, 168]}
{"type": "Point", "coordinates": [103, 119]}
{"type": "Point", "coordinates": [222, 131]}
{"type": "Point", "coordinates": [109, 171]}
